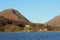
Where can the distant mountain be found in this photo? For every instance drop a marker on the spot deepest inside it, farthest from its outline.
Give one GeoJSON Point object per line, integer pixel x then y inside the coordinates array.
{"type": "Point", "coordinates": [54, 22]}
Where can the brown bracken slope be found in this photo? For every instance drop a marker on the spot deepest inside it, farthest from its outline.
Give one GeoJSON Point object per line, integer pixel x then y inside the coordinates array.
{"type": "Point", "coordinates": [12, 21]}
{"type": "Point", "coordinates": [54, 22]}
{"type": "Point", "coordinates": [14, 15]}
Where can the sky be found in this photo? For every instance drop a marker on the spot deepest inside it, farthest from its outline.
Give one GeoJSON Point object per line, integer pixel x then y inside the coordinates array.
{"type": "Point", "coordinates": [37, 11]}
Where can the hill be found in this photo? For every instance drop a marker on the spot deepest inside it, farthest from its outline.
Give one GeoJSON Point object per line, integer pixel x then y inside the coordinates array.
{"type": "Point", "coordinates": [12, 19]}
{"type": "Point", "coordinates": [13, 14]}
{"type": "Point", "coordinates": [54, 22]}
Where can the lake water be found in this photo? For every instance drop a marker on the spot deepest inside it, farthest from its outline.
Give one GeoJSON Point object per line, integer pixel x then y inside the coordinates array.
{"type": "Point", "coordinates": [30, 36]}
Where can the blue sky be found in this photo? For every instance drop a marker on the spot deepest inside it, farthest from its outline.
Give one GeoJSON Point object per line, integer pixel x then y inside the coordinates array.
{"type": "Point", "coordinates": [38, 11]}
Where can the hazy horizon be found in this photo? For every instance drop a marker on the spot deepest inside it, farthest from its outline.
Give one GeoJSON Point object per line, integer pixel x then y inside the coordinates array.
{"type": "Point", "coordinates": [37, 11]}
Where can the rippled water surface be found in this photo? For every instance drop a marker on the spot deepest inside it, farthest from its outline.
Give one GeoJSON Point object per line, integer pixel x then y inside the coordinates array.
{"type": "Point", "coordinates": [30, 36]}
